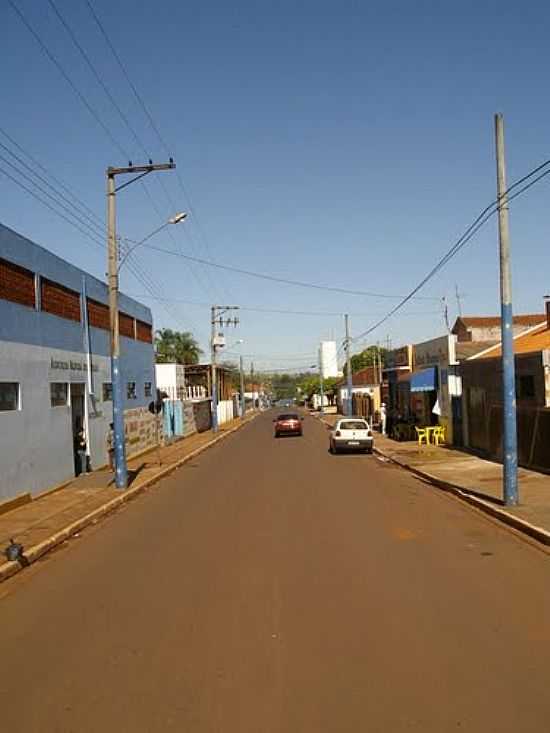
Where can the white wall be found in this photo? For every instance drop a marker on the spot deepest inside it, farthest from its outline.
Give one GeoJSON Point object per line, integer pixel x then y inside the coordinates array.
{"type": "Point", "coordinates": [225, 411]}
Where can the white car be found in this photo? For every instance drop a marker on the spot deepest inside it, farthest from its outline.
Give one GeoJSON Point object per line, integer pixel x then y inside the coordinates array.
{"type": "Point", "coordinates": [351, 433]}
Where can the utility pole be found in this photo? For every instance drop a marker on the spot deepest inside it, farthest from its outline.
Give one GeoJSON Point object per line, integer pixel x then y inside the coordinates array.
{"type": "Point", "coordinates": [379, 364]}
{"type": "Point", "coordinates": [121, 469]}
{"type": "Point", "coordinates": [349, 376]}
{"type": "Point", "coordinates": [216, 341]}
{"type": "Point", "coordinates": [458, 301]}
{"type": "Point", "coordinates": [446, 314]}
{"type": "Point", "coordinates": [510, 448]}
{"type": "Point", "coordinates": [243, 400]}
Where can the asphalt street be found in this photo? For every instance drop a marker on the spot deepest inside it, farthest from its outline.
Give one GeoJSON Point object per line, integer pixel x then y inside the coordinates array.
{"type": "Point", "coordinates": [268, 586]}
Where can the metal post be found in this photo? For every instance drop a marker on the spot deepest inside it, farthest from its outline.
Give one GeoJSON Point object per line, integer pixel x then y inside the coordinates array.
{"type": "Point", "coordinates": [510, 448]}
{"type": "Point", "coordinates": [243, 399]}
{"type": "Point", "coordinates": [214, 380]}
{"type": "Point", "coordinates": [321, 383]}
{"type": "Point", "coordinates": [121, 470]}
{"type": "Point", "coordinates": [349, 401]}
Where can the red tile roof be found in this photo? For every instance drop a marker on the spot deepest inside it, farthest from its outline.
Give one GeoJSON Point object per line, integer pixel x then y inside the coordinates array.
{"type": "Point", "coordinates": [529, 319]}
{"type": "Point", "coordinates": [537, 339]}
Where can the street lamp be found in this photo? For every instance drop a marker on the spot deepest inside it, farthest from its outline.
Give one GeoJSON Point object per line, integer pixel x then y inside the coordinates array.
{"type": "Point", "coordinates": [176, 219]}
{"type": "Point", "coordinates": [119, 440]}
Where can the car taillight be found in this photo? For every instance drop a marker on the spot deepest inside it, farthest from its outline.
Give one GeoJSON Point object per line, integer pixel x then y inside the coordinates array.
{"type": "Point", "coordinates": [337, 433]}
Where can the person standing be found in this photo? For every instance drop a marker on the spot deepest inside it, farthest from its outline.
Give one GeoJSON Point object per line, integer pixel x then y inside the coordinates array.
{"type": "Point", "coordinates": [111, 446]}
{"type": "Point", "coordinates": [80, 450]}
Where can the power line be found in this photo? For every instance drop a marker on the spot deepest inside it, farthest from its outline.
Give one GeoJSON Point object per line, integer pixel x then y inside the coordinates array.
{"type": "Point", "coordinates": [118, 109]}
{"type": "Point", "coordinates": [470, 232]}
{"type": "Point", "coordinates": [150, 119]}
{"type": "Point", "coordinates": [273, 278]}
{"type": "Point", "coordinates": [282, 311]}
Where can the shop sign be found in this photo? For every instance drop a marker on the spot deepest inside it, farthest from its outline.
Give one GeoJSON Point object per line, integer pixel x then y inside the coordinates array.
{"type": "Point", "coordinates": [432, 353]}
{"type": "Point", "coordinates": [398, 358]}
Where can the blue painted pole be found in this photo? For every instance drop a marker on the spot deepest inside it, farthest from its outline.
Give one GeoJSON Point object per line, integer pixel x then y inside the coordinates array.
{"type": "Point", "coordinates": [509, 433]}
{"type": "Point", "coordinates": [121, 468]}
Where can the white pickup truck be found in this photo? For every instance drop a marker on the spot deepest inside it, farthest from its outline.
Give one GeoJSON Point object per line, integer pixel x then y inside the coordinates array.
{"type": "Point", "coordinates": [351, 434]}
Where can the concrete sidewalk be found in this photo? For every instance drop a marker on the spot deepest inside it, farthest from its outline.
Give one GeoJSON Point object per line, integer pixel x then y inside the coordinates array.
{"type": "Point", "coordinates": [474, 479]}
{"type": "Point", "coordinates": [47, 521]}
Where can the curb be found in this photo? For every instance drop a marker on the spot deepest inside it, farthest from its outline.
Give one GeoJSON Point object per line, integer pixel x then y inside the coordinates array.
{"type": "Point", "coordinates": [34, 553]}
{"type": "Point", "coordinates": [532, 530]}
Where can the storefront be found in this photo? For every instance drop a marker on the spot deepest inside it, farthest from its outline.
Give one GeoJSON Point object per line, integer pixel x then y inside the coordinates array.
{"type": "Point", "coordinates": [55, 372]}
{"type": "Point", "coordinates": [434, 384]}
{"type": "Point", "coordinates": [398, 366]}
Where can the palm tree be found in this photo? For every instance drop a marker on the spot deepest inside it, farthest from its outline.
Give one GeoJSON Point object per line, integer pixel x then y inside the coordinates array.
{"type": "Point", "coordinates": [176, 347]}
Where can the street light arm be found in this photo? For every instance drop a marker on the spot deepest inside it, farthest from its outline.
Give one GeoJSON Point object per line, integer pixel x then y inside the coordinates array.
{"type": "Point", "coordinates": [176, 219]}
{"type": "Point", "coordinates": [138, 244]}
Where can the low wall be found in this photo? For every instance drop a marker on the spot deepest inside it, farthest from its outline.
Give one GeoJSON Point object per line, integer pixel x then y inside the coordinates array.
{"type": "Point", "coordinates": [140, 430]}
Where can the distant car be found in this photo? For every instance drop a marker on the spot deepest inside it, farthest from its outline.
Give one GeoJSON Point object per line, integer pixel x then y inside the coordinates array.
{"type": "Point", "coordinates": [288, 424]}
{"type": "Point", "coordinates": [351, 434]}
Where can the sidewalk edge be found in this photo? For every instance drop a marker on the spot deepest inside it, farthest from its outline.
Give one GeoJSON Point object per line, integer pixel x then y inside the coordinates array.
{"type": "Point", "coordinates": [532, 530]}
{"type": "Point", "coordinates": [11, 568]}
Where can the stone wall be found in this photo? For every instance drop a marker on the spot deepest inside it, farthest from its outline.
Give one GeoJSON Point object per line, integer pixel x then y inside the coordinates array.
{"type": "Point", "coordinates": [140, 430]}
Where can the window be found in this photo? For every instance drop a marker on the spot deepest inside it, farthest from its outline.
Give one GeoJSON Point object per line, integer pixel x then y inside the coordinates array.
{"type": "Point", "coordinates": [9, 396]}
{"type": "Point", "coordinates": [525, 389]}
{"type": "Point", "coordinates": [59, 300]}
{"type": "Point", "coordinates": [107, 392]}
{"type": "Point", "coordinates": [148, 388]}
{"type": "Point", "coordinates": [16, 284]}
{"type": "Point", "coordinates": [59, 394]}
{"type": "Point", "coordinates": [126, 325]}
{"type": "Point", "coordinates": [98, 315]}
{"type": "Point", "coordinates": [131, 392]}
{"type": "Point", "coordinates": [144, 332]}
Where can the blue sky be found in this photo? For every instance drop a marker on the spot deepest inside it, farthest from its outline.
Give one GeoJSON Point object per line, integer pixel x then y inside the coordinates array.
{"type": "Point", "coordinates": [341, 143]}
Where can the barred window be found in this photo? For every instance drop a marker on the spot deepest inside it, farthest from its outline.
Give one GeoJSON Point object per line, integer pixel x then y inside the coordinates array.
{"type": "Point", "coordinates": [131, 391]}
{"type": "Point", "coordinates": [107, 392]}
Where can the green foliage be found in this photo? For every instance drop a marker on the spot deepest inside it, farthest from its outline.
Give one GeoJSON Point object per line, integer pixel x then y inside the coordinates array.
{"type": "Point", "coordinates": [176, 347]}
{"type": "Point", "coordinates": [367, 358]}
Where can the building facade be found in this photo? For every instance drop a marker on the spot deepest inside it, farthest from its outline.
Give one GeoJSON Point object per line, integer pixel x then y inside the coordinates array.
{"type": "Point", "coordinates": [55, 371]}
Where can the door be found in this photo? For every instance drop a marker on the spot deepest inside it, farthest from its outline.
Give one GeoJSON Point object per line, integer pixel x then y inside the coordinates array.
{"type": "Point", "coordinates": [78, 392]}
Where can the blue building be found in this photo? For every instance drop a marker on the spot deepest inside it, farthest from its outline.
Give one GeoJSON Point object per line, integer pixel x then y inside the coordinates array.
{"type": "Point", "coordinates": [55, 372]}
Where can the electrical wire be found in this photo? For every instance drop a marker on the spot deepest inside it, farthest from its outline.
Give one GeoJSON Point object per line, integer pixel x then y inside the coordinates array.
{"type": "Point", "coordinates": [122, 116]}
{"type": "Point", "coordinates": [487, 213]}
{"type": "Point", "coordinates": [151, 121]}
{"type": "Point", "coordinates": [273, 278]}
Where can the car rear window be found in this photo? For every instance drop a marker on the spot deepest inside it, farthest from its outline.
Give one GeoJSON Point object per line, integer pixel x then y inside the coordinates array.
{"type": "Point", "coordinates": [354, 425]}
{"type": "Point", "coordinates": [288, 417]}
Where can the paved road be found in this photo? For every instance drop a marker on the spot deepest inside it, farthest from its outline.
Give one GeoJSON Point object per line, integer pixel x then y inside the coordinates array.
{"type": "Point", "coordinates": [269, 587]}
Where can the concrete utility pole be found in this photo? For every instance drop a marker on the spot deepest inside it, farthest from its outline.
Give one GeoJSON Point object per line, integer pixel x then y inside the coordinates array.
{"type": "Point", "coordinates": [216, 319]}
{"type": "Point", "coordinates": [321, 381]}
{"type": "Point", "coordinates": [243, 400]}
{"type": "Point", "coordinates": [510, 447]}
{"type": "Point", "coordinates": [349, 376]}
{"type": "Point", "coordinates": [121, 470]}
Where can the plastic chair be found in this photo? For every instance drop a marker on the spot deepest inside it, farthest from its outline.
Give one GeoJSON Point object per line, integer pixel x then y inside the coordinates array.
{"type": "Point", "coordinates": [422, 434]}
{"type": "Point", "coordinates": [439, 435]}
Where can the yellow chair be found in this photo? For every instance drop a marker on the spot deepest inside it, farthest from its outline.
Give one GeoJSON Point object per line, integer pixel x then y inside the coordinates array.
{"type": "Point", "coordinates": [439, 435]}
{"type": "Point", "coordinates": [422, 434]}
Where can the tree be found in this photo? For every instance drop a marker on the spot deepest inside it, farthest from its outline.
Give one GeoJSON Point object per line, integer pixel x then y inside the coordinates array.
{"type": "Point", "coordinates": [367, 358]}
{"type": "Point", "coordinates": [176, 347]}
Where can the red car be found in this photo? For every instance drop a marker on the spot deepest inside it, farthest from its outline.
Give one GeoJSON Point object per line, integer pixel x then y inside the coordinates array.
{"type": "Point", "coordinates": [290, 424]}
